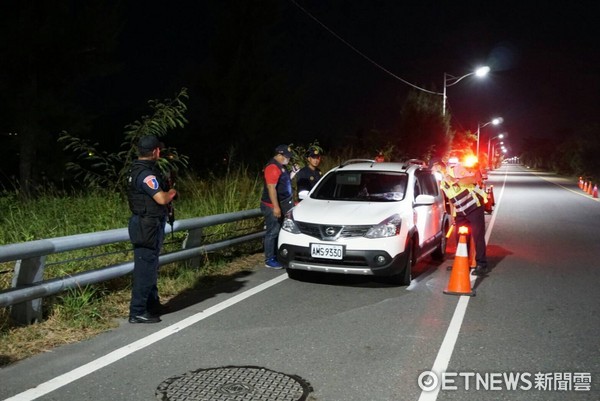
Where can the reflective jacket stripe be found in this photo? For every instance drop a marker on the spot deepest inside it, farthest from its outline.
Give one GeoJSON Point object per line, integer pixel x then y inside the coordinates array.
{"type": "Point", "coordinates": [465, 202]}
{"type": "Point", "coordinates": [463, 199]}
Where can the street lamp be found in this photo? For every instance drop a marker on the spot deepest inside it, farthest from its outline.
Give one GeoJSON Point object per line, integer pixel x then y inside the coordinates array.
{"type": "Point", "coordinates": [503, 149]}
{"type": "Point", "coordinates": [495, 121]}
{"type": "Point", "coordinates": [450, 80]}
{"type": "Point", "coordinates": [490, 156]}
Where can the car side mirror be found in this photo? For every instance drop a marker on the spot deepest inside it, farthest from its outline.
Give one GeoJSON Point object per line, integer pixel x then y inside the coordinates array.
{"type": "Point", "coordinates": [424, 200]}
{"type": "Point", "coordinates": [302, 194]}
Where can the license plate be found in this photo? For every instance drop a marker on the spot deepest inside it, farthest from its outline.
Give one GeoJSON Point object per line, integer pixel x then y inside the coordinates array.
{"type": "Point", "coordinates": [327, 251]}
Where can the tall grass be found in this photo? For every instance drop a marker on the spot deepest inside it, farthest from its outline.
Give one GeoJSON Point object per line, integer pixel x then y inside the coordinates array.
{"type": "Point", "coordinates": [79, 313]}
{"type": "Point", "coordinates": [56, 214]}
{"type": "Point", "coordinates": [238, 190]}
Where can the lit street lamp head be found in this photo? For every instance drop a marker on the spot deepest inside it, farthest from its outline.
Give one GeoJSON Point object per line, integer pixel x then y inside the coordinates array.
{"type": "Point", "coordinates": [450, 80]}
{"type": "Point", "coordinates": [482, 71]}
{"type": "Point", "coordinates": [494, 121]}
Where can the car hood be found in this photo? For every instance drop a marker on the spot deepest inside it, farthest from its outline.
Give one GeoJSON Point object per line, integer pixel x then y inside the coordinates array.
{"type": "Point", "coordinates": [344, 212]}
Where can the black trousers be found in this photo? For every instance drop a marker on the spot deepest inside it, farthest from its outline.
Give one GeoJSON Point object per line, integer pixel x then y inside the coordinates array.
{"type": "Point", "coordinates": [476, 223]}
{"type": "Point", "coordinates": [144, 289]}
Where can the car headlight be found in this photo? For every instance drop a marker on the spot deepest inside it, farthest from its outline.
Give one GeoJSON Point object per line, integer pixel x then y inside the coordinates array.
{"type": "Point", "coordinates": [387, 228]}
{"type": "Point", "coordinates": [289, 224]}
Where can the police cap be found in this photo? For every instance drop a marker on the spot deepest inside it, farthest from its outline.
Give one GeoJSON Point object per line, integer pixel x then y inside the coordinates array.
{"type": "Point", "coordinates": [148, 143]}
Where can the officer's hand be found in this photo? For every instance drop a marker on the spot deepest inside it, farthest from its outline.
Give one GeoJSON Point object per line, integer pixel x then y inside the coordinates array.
{"type": "Point", "coordinates": [295, 169]}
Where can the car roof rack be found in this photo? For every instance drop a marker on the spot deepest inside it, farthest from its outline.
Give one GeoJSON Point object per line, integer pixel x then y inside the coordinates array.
{"type": "Point", "coordinates": [352, 161]}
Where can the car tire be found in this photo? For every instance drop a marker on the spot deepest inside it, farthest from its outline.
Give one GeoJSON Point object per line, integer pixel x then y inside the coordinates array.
{"type": "Point", "coordinates": [440, 252]}
{"type": "Point", "coordinates": [405, 276]}
{"type": "Point", "coordinates": [295, 274]}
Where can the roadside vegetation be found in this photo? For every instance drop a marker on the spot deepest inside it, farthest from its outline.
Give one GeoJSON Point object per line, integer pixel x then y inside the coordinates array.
{"type": "Point", "coordinates": [572, 154]}
{"type": "Point", "coordinates": [95, 201]}
{"type": "Point", "coordinates": [81, 313]}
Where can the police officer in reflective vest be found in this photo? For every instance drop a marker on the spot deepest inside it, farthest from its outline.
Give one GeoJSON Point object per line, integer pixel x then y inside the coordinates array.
{"type": "Point", "coordinates": [148, 198]}
{"type": "Point", "coordinates": [460, 186]}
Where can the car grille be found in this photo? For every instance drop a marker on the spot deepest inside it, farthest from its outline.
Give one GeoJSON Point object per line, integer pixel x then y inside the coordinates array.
{"type": "Point", "coordinates": [329, 232]}
{"type": "Point", "coordinates": [349, 261]}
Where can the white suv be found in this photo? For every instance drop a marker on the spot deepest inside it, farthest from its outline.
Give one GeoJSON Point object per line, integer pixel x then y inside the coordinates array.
{"type": "Point", "coordinates": [367, 218]}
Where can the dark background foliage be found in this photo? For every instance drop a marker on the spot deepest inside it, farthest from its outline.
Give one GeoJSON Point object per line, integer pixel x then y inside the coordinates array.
{"type": "Point", "coordinates": [261, 73]}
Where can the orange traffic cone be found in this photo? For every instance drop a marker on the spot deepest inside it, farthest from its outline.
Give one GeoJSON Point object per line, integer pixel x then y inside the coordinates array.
{"type": "Point", "coordinates": [580, 183]}
{"type": "Point", "coordinates": [488, 207]}
{"type": "Point", "coordinates": [590, 189]}
{"type": "Point", "coordinates": [460, 280]}
{"type": "Point", "coordinates": [585, 185]}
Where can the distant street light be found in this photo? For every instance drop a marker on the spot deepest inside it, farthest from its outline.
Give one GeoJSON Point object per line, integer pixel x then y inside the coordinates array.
{"type": "Point", "coordinates": [490, 155]}
{"type": "Point", "coordinates": [495, 121]}
{"type": "Point", "coordinates": [450, 80]}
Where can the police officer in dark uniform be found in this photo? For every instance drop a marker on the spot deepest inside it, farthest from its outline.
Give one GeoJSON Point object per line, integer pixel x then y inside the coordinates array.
{"type": "Point", "coordinates": [148, 197]}
{"type": "Point", "coordinates": [276, 200]}
{"type": "Point", "coordinates": [310, 174]}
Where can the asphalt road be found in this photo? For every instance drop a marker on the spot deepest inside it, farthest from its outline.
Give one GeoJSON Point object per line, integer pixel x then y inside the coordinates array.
{"type": "Point", "coordinates": [536, 316]}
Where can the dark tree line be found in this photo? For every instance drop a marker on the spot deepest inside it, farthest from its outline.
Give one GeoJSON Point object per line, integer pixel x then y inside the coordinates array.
{"type": "Point", "coordinates": [62, 71]}
{"type": "Point", "coordinates": [50, 51]}
{"type": "Point", "coordinates": [66, 67]}
{"type": "Point", "coordinates": [572, 152]}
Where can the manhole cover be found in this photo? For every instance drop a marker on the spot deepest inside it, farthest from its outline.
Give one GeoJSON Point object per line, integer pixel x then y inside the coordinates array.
{"type": "Point", "coordinates": [234, 383]}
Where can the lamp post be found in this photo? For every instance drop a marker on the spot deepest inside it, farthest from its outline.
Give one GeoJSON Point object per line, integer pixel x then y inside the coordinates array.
{"type": "Point", "coordinates": [491, 156]}
{"type": "Point", "coordinates": [503, 149]}
{"type": "Point", "coordinates": [450, 80]}
{"type": "Point", "coordinates": [495, 121]}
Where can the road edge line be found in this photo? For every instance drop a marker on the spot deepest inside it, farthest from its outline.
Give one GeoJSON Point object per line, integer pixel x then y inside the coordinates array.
{"type": "Point", "coordinates": [120, 353]}
{"type": "Point", "coordinates": [442, 360]}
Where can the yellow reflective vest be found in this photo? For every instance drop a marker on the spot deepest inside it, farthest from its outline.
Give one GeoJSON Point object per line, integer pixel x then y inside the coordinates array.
{"type": "Point", "coordinates": [464, 197]}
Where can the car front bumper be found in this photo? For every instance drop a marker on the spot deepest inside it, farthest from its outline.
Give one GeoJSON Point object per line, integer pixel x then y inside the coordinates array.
{"type": "Point", "coordinates": [356, 262]}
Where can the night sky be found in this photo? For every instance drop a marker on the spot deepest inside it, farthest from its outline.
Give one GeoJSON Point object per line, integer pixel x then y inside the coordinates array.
{"type": "Point", "coordinates": [544, 61]}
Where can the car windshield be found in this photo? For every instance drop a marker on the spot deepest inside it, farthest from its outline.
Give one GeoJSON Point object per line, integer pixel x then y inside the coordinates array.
{"type": "Point", "coordinates": [378, 186]}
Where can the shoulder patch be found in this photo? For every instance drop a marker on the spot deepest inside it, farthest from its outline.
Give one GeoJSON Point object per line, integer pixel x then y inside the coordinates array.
{"type": "Point", "coordinates": [151, 181]}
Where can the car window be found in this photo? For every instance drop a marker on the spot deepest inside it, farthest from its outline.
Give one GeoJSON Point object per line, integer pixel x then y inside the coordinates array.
{"type": "Point", "coordinates": [362, 186]}
{"type": "Point", "coordinates": [417, 190]}
{"type": "Point", "coordinates": [427, 184]}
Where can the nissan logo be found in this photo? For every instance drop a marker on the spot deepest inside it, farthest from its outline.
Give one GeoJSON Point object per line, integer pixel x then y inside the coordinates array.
{"type": "Point", "coordinates": [330, 231]}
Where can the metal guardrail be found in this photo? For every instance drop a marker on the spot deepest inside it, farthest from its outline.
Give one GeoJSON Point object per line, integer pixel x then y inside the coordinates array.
{"type": "Point", "coordinates": [29, 287]}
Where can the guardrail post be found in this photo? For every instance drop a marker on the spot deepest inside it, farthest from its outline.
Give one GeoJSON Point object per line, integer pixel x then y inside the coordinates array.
{"type": "Point", "coordinates": [28, 272]}
{"type": "Point", "coordinates": [193, 240]}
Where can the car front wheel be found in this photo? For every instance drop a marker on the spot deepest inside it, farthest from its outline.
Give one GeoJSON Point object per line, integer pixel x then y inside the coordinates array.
{"type": "Point", "coordinates": [440, 252]}
{"type": "Point", "coordinates": [296, 274]}
{"type": "Point", "coordinates": [405, 276]}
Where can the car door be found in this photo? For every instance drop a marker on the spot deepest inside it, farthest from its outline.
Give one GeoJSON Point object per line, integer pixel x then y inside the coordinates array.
{"type": "Point", "coordinates": [429, 217]}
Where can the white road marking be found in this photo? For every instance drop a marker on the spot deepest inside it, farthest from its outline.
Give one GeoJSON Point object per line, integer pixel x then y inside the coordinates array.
{"type": "Point", "coordinates": [440, 364]}
{"type": "Point", "coordinates": [445, 352]}
{"type": "Point", "coordinates": [77, 373]}
{"type": "Point", "coordinates": [579, 192]}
